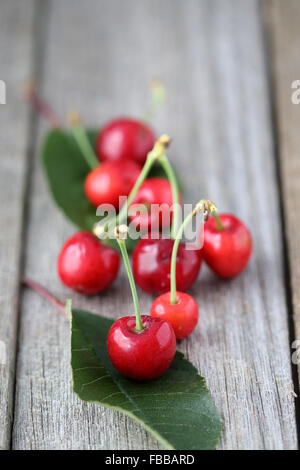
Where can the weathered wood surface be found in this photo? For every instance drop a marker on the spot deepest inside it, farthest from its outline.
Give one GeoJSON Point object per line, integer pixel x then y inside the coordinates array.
{"type": "Point", "coordinates": [284, 38]}
{"type": "Point", "coordinates": [16, 61]}
{"type": "Point", "coordinates": [98, 58]}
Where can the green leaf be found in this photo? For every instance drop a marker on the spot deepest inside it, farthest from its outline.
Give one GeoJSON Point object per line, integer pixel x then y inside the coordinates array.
{"type": "Point", "coordinates": [65, 170]}
{"type": "Point", "coordinates": [176, 408]}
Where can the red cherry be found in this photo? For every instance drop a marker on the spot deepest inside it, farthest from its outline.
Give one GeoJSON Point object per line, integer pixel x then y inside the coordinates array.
{"type": "Point", "coordinates": [151, 264]}
{"type": "Point", "coordinates": [153, 191]}
{"type": "Point", "coordinates": [107, 182]}
{"type": "Point", "coordinates": [183, 316]}
{"type": "Point", "coordinates": [144, 355]}
{"type": "Point", "coordinates": [227, 251]}
{"type": "Point", "coordinates": [125, 139]}
{"type": "Point", "coordinates": [86, 265]}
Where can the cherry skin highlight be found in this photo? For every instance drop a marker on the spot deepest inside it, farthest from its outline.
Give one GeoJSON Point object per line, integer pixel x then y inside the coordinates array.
{"type": "Point", "coordinates": [144, 355]}
{"type": "Point", "coordinates": [183, 316]}
{"type": "Point", "coordinates": [125, 139]}
{"type": "Point", "coordinates": [227, 251]}
{"type": "Point", "coordinates": [110, 180]}
{"type": "Point", "coordinates": [151, 264]}
{"type": "Point", "coordinates": [86, 265]}
{"type": "Point", "coordinates": [153, 191]}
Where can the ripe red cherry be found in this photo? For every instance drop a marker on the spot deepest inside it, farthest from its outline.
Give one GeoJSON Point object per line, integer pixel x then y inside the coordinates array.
{"type": "Point", "coordinates": [153, 191]}
{"type": "Point", "coordinates": [183, 315]}
{"type": "Point", "coordinates": [151, 263]}
{"type": "Point", "coordinates": [86, 265]}
{"type": "Point", "coordinates": [125, 139]}
{"type": "Point", "coordinates": [108, 181]}
{"type": "Point", "coordinates": [226, 251]}
{"type": "Point", "coordinates": [144, 355]}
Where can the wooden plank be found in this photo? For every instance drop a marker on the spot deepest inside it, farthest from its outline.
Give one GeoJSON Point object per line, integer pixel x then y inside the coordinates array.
{"type": "Point", "coordinates": [16, 39]}
{"type": "Point", "coordinates": [210, 56]}
{"type": "Point", "coordinates": [284, 35]}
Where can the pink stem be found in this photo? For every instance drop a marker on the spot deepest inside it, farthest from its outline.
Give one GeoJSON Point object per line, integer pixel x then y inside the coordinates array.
{"type": "Point", "coordinates": [43, 108]}
{"type": "Point", "coordinates": [46, 294]}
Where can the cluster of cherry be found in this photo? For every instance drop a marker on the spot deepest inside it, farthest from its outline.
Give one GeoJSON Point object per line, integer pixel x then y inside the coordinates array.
{"type": "Point", "coordinates": [143, 347]}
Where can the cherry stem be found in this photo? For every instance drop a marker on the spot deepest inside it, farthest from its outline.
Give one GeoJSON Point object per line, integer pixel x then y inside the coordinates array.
{"type": "Point", "coordinates": [175, 193]}
{"type": "Point", "coordinates": [47, 295]}
{"type": "Point", "coordinates": [151, 157]}
{"type": "Point", "coordinates": [158, 98]}
{"type": "Point", "coordinates": [122, 245]}
{"type": "Point", "coordinates": [220, 226]}
{"type": "Point", "coordinates": [155, 154]}
{"type": "Point", "coordinates": [41, 106]}
{"type": "Point", "coordinates": [82, 140]}
{"type": "Point", "coordinates": [204, 206]}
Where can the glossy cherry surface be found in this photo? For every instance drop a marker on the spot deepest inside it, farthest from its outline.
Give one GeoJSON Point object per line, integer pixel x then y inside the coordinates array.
{"type": "Point", "coordinates": [125, 139]}
{"type": "Point", "coordinates": [156, 191]}
{"type": "Point", "coordinates": [151, 264]}
{"type": "Point", "coordinates": [227, 251]}
{"type": "Point", "coordinates": [144, 355]}
{"type": "Point", "coordinates": [86, 265]}
{"type": "Point", "coordinates": [183, 316]}
{"type": "Point", "coordinates": [110, 180]}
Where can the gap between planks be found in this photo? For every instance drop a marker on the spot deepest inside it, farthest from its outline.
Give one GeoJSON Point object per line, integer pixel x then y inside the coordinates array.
{"type": "Point", "coordinates": [17, 59]}
{"type": "Point", "coordinates": [283, 41]}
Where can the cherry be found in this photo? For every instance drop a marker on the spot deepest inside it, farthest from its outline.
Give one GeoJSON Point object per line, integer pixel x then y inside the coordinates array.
{"type": "Point", "coordinates": [141, 355]}
{"type": "Point", "coordinates": [178, 308]}
{"type": "Point", "coordinates": [153, 191]}
{"type": "Point", "coordinates": [105, 183]}
{"type": "Point", "coordinates": [227, 245]}
{"type": "Point", "coordinates": [151, 263]}
{"type": "Point", "coordinates": [86, 265]}
{"type": "Point", "coordinates": [139, 347]}
{"type": "Point", "coordinates": [125, 139]}
{"type": "Point", "coordinates": [183, 315]}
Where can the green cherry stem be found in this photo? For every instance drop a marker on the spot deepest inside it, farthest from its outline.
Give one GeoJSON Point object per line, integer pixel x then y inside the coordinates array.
{"type": "Point", "coordinates": [82, 140]}
{"type": "Point", "coordinates": [220, 226]}
{"type": "Point", "coordinates": [204, 206]}
{"type": "Point", "coordinates": [175, 193]}
{"type": "Point", "coordinates": [158, 98]}
{"type": "Point", "coordinates": [154, 155]}
{"type": "Point", "coordinates": [121, 234]}
{"type": "Point", "coordinates": [151, 157]}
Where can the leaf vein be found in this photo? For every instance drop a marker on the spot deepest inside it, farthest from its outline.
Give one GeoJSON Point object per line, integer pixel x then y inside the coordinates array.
{"type": "Point", "coordinates": [96, 380]}
{"type": "Point", "coordinates": [89, 367]}
{"type": "Point", "coordinates": [81, 349]}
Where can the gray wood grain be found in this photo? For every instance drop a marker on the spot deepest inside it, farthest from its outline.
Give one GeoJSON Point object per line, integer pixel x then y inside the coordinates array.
{"type": "Point", "coordinates": [98, 58]}
{"type": "Point", "coordinates": [284, 36]}
{"type": "Point", "coordinates": [16, 53]}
